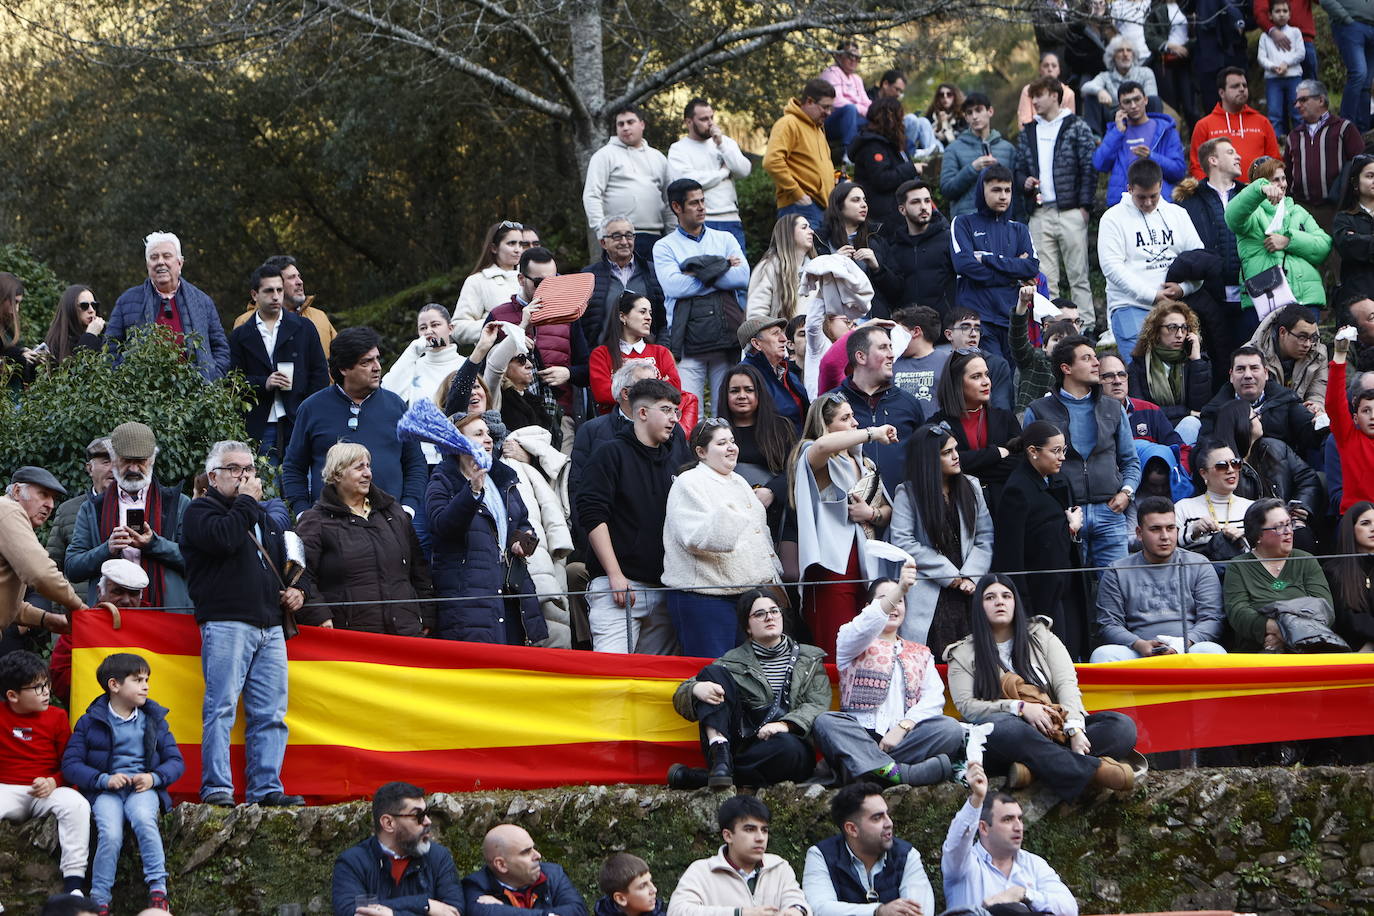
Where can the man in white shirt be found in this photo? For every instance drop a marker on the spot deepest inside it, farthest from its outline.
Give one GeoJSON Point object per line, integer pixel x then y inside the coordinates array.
{"type": "Point", "coordinates": [714, 161]}
{"type": "Point", "coordinates": [982, 860]}
{"type": "Point", "coordinates": [864, 870]}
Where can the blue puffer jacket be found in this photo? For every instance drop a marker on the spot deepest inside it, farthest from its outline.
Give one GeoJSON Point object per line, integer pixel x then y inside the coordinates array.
{"type": "Point", "coordinates": [88, 753]}
{"type": "Point", "coordinates": [469, 562]}
{"type": "Point", "coordinates": [989, 284]}
{"type": "Point", "coordinates": [1115, 156]}
{"type": "Point", "coordinates": [139, 305]}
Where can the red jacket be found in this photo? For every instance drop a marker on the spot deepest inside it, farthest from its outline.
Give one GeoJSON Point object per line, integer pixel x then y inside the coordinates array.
{"type": "Point", "coordinates": [1248, 130]}
{"type": "Point", "coordinates": [1355, 448]}
{"type": "Point", "coordinates": [601, 372]}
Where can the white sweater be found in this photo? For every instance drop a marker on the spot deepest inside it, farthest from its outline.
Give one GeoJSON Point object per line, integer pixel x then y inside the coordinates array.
{"type": "Point", "coordinates": [416, 375]}
{"type": "Point", "coordinates": [628, 181]}
{"type": "Point", "coordinates": [1270, 56]}
{"type": "Point", "coordinates": [1136, 250]}
{"type": "Point", "coordinates": [482, 292]}
{"type": "Point", "coordinates": [716, 534]}
{"type": "Point", "coordinates": [716, 168]}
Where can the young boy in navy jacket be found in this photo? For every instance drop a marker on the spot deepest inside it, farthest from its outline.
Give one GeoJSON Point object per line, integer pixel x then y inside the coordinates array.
{"type": "Point", "coordinates": [123, 757]}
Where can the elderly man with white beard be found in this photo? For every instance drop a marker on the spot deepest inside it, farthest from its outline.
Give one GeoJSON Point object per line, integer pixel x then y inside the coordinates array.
{"type": "Point", "coordinates": [137, 519]}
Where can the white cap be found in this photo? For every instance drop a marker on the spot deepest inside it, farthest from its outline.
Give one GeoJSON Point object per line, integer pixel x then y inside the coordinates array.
{"type": "Point", "coordinates": [124, 573]}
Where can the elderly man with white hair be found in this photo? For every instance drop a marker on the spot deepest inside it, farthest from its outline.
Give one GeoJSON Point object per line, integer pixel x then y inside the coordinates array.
{"type": "Point", "coordinates": [166, 299]}
{"type": "Point", "coordinates": [24, 563]}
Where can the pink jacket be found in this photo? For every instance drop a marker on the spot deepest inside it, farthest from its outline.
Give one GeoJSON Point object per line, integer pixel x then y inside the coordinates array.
{"type": "Point", "coordinates": [849, 90]}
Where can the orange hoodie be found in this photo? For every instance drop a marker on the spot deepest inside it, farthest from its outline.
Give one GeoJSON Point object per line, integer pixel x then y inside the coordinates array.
{"type": "Point", "coordinates": [798, 158]}
{"type": "Point", "coordinates": [1248, 130]}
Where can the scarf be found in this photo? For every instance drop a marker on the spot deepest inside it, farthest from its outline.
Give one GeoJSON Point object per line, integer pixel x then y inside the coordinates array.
{"type": "Point", "coordinates": [1165, 368]}
{"type": "Point", "coordinates": [527, 898]}
{"type": "Point", "coordinates": [776, 662]}
{"type": "Point", "coordinates": [109, 520]}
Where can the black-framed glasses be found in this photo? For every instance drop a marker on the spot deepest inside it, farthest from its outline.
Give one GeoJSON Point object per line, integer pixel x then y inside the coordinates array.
{"type": "Point", "coordinates": [620, 236]}
{"type": "Point", "coordinates": [1281, 527]}
{"type": "Point", "coordinates": [45, 687]}
{"type": "Point", "coordinates": [1112, 376]}
{"type": "Point", "coordinates": [764, 613]}
{"type": "Point", "coordinates": [354, 409]}
{"type": "Point", "coordinates": [1230, 464]}
{"type": "Point", "coordinates": [1305, 338]}
{"type": "Point", "coordinates": [236, 470]}
{"type": "Point", "coordinates": [1173, 327]}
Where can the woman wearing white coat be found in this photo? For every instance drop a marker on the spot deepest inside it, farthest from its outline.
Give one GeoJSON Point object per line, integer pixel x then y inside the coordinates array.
{"type": "Point", "coordinates": [425, 363]}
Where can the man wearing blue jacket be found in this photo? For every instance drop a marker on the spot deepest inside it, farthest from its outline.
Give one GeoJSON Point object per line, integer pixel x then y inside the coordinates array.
{"type": "Point", "coordinates": [1139, 134]}
{"type": "Point", "coordinates": [398, 866]}
{"type": "Point", "coordinates": [972, 152]}
{"type": "Point", "coordinates": [994, 258]}
{"type": "Point", "coordinates": [516, 881]}
{"type": "Point", "coordinates": [877, 402]}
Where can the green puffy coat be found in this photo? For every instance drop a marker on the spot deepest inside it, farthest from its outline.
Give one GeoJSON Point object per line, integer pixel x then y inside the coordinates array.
{"type": "Point", "coordinates": [1249, 214]}
{"type": "Point", "coordinates": [810, 692]}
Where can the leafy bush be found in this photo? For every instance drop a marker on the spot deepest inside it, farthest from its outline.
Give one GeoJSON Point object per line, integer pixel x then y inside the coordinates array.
{"type": "Point", "coordinates": [87, 396]}
{"type": "Point", "coordinates": [41, 291]}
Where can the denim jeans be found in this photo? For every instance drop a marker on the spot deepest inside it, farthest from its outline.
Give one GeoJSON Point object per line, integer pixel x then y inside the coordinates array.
{"type": "Point", "coordinates": [1103, 535]}
{"type": "Point", "coordinates": [1125, 321]}
{"type": "Point", "coordinates": [843, 125]}
{"type": "Point", "coordinates": [733, 226]}
{"type": "Point", "coordinates": [1356, 44]}
{"type": "Point", "coordinates": [141, 810]}
{"type": "Point", "coordinates": [1115, 653]}
{"type": "Point", "coordinates": [1309, 63]}
{"type": "Point", "coordinates": [239, 658]}
{"type": "Point", "coordinates": [706, 625]}
{"type": "Point", "coordinates": [812, 211]}
{"type": "Point", "coordinates": [1279, 93]}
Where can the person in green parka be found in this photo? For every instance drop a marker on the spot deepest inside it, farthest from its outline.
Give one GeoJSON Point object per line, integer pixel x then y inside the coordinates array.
{"type": "Point", "coordinates": [1273, 229]}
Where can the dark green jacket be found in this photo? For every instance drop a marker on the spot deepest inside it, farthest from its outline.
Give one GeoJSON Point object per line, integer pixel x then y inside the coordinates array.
{"type": "Point", "coordinates": [810, 692]}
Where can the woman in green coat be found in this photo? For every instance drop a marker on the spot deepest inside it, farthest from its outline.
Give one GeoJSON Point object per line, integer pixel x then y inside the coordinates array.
{"type": "Point", "coordinates": [1266, 238]}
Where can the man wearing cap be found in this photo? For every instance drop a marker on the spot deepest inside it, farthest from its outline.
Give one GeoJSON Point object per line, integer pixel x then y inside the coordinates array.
{"type": "Point", "coordinates": [100, 468]}
{"type": "Point", "coordinates": [764, 341]}
{"type": "Point", "coordinates": [135, 518]}
{"type": "Point", "coordinates": [121, 584]}
{"type": "Point", "coordinates": [26, 505]}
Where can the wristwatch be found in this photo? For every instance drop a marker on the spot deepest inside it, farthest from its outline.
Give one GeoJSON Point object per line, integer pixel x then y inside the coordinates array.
{"type": "Point", "coordinates": [1127, 489]}
{"type": "Point", "coordinates": [1071, 731]}
{"type": "Point", "coordinates": [906, 725]}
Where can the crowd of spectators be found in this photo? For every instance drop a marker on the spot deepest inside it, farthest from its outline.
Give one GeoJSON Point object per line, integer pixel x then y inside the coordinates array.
{"type": "Point", "coordinates": [907, 436]}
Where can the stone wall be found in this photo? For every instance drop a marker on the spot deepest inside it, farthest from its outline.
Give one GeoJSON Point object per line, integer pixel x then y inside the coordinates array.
{"type": "Point", "coordinates": [1273, 840]}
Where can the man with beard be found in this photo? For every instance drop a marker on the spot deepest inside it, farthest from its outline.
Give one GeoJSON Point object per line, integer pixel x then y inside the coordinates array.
{"type": "Point", "coordinates": [398, 866]}
{"type": "Point", "coordinates": [713, 160]}
{"type": "Point", "coordinates": [136, 518]}
{"type": "Point", "coordinates": [516, 881]}
{"type": "Point", "coordinates": [864, 870]}
{"type": "Point", "coordinates": [920, 249]}
{"type": "Point", "coordinates": [295, 300]}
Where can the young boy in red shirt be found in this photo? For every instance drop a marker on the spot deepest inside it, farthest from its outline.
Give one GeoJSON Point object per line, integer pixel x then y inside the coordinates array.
{"type": "Point", "coordinates": [32, 738]}
{"type": "Point", "coordinates": [1354, 435]}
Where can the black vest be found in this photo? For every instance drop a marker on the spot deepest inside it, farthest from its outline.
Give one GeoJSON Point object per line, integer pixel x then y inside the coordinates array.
{"type": "Point", "coordinates": [1092, 478]}
{"type": "Point", "coordinates": [888, 882]}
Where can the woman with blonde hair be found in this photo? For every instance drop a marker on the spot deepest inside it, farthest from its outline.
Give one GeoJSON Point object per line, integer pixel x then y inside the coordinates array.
{"type": "Point", "coordinates": [1168, 367]}
{"type": "Point", "coordinates": [775, 284]}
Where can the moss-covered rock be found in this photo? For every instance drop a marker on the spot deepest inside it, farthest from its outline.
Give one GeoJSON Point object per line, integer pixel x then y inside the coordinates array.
{"type": "Point", "coordinates": [1272, 840]}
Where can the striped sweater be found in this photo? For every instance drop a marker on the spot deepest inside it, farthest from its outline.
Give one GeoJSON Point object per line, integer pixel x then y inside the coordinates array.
{"type": "Point", "coordinates": [1314, 159]}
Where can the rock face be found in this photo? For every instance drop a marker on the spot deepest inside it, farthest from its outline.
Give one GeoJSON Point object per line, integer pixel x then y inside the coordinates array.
{"type": "Point", "coordinates": [1274, 841]}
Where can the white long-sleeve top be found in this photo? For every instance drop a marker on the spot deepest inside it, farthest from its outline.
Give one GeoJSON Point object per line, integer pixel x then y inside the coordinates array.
{"type": "Point", "coordinates": [970, 877]}
{"type": "Point", "coordinates": [1136, 249]}
{"type": "Point", "coordinates": [1270, 56]}
{"type": "Point", "coordinates": [716, 167]}
{"type": "Point", "coordinates": [628, 181]}
{"type": "Point", "coordinates": [820, 890]}
{"type": "Point", "coordinates": [416, 375]}
{"type": "Point", "coordinates": [850, 642]}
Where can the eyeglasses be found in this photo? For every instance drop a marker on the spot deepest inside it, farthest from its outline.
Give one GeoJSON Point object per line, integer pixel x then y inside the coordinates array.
{"type": "Point", "coordinates": [1058, 451]}
{"type": "Point", "coordinates": [1227, 465]}
{"type": "Point", "coordinates": [510, 224]}
{"type": "Point", "coordinates": [940, 429]}
{"type": "Point", "coordinates": [1173, 328]}
{"type": "Point", "coordinates": [764, 613]}
{"type": "Point", "coordinates": [1281, 528]}
{"type": "Point", "coordinates": [420, 816]}
{"type": "Point", "coordinates": [620, 236]}
{"type": "Point", "coordinates": [45, 687]}
{"type": "Point", "coordinates": [967, 326]}
{"type": "Point", "coordinates": [353, 420]}
{"type": "Point", "coordinates": [1305, 338]}
{"type": "Point", "coordinates": [1112, 376]}
{"type": "Point", "coordinates": [88, 306]}
{"type": "Point", "coordinates": [836, 397]}
{"type": "Point", "coordinates": [715, 423]}
{"type": "Point", "coordinates": [669, 411]}
{"type": "Point", "coordinates": [1298, 100]}
{"type": "Point", "coordinates": [237, 470]}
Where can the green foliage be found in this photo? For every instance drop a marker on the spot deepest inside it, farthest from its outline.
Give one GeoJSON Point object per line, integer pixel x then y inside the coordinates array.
{"type": "Point", "coordinates": [87, 396]}
{"type": "Point", "coordinates": [758, 210]}
{"type": "Point", "coordinates": [41, 291]}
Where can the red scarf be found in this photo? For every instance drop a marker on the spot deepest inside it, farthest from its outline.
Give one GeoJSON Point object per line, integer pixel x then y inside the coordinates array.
{"type": "Point", "coordinates": [525, 899]}
{"type": "Point", "coordinates": [109, 521]}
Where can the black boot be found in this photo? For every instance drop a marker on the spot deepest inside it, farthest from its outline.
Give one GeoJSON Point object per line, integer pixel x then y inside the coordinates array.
{"type": "Point", "coordinates": [721, 765]}
{"type": "Point", "coordinates": [681, 776]}
{"type": "Point", "coordinates": [928, 772]}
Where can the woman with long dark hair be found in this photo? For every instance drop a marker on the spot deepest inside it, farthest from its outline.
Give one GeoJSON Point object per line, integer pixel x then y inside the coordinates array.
{"type": "Point", "coordinates": [1352, 231]}
{"type": "Point", "coordinates": [946, 112]}
{"type": "Point", "coordinates": [880, 160]}
{"type": "Point", "coordinates": [491, 283]}
{"type": "Point", "coordinates": [986, 434]}
{"type": "Point", "coordinates": [1270, 468]}
{"type": "Point", "coordinates": [764, 436]}
{"type": "Point", "coordinates": [22, 360]}
{"type": "Point", "coordinates": [940, 518]}
{"type": "Point", "coordinates": [1036, 526]}
{"type": "Point", "coordinates": [1351, 575]}
{"type": "Point", "coordinates": [76, 326]}
{"type": "Point", "coordinates": [1014, 673]}
{"type": "Point", "coordinates": [628, 334]}
{"type": "Point", "coordinates": [848, 232]}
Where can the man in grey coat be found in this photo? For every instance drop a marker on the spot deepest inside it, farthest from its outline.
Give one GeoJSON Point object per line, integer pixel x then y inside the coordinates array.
{"type": "Point", "coordinates": [1162, 600]}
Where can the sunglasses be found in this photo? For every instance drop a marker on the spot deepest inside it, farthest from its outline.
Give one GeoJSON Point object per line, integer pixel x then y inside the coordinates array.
{"type": "Point", "coordinates": [1231, 464]}
{"type": "Point", "coordinates": [510, 224]}
{"type": "Point", "coordinates": [88, 306]}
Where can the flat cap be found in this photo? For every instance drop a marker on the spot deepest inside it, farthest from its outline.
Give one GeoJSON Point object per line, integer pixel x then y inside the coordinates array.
{"type": "Point", "coordinates": [133, 441]}
{"type": "Point", "coordinates": [755, 326]}
{"type": "Point", "coordinates": [125, 573]}
{"type": "Point", "coordinates": [30, 474]}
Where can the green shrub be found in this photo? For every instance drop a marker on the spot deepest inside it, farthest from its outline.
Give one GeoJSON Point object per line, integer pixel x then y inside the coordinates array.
{"type": "Point", "coordinates": [87, 396]}
{"type": "Point", "coordinates": [41, 291]}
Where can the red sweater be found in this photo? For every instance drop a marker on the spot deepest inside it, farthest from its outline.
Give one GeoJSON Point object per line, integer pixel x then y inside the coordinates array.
{"type": "Point", "coordinates": [600, 371]}
{"type": "Point", "coordinates": [31, 746]}
{"type": "Point", "coordinates": [1248, 130]}
{"type": "Point", "coordinates": [1355, 448]}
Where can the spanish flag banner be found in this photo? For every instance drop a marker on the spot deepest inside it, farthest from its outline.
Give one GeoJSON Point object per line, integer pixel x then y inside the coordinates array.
{"type": "Point", "coordinates": [452, 716]}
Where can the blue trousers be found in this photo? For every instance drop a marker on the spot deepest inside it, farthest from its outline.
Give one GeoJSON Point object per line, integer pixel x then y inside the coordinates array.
{"type": "Point", "coordinates": [236, 659]}
{"type": "Point", "coordinates": [141, 809]}
{"type": "Point", "coordinates": [1356, 45]}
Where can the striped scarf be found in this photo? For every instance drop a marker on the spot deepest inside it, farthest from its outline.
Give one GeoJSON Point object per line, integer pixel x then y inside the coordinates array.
{"type": "Point", "coordinates": [776, 662]}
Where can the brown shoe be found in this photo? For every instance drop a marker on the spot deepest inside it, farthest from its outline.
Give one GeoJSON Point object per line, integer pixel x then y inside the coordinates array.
{"type": "Point", "coordinates": [1114, 775]}
{"type": "Point", "coordinates": [1019, 776]}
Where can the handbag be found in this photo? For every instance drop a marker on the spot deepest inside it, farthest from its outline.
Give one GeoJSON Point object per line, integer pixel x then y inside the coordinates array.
{"type": "Point", "coordinates": [1269, 290]}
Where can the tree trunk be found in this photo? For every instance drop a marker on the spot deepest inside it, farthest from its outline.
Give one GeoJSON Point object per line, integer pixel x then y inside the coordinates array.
{"type": "Point", "coordinates": [589, 81]}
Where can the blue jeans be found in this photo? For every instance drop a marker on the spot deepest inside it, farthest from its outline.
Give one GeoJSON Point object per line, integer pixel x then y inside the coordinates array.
{"type": "Point", "coordinates": [1356, 44]}
{"type": "Point", "coordinates": [141, 809]}
{"type": "Point", "coordinates": [734, 227]}
{"type": "Point", "coordinates": [1309, 63]}
{"type": "Point", "coordinates": [812, 211]}
{"type": "Point", "coordinates": [239, 658]}
{"type": "Point", "coordinates": [843, 125]}
{"type": "Point", "coordinates": [1279, 93]}
{"type": "Point", "coordinates": [706, 625]}
{"type": "Point", "coordinates": [996, 339]}
{"type": "Point", "coordinates": [1103, 535]}
{"type": "Point", "coordinates": [1126, 321]}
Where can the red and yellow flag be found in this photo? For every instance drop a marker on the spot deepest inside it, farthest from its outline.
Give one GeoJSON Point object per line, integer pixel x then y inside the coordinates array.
{"type": "Point", "coordinates": [453, 716]}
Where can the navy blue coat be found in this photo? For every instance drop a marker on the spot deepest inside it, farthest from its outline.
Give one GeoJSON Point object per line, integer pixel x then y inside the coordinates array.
{"type": "Point", "coordinates": [556, 895]}
{"type": "Point", "coordinates": [788, 407]}
{"type": "Point", "coordinates": [88, 753]}
{"type": "Point", "coordinates": [366, 869]}
{"type": "Point", "coordinates": [139, 305]}
{"type": "Point", "coordinates": [297, 342]}
{"type": "Point", "coordinates": [468, 560]}
{"type": "Point", "coordinates": [989, 285]}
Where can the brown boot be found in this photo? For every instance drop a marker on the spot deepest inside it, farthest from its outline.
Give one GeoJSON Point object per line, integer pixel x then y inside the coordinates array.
{"type": "Point", "coordinates": [1114, 775]}
{"type": "Point", "coordinates": [1019, 776]}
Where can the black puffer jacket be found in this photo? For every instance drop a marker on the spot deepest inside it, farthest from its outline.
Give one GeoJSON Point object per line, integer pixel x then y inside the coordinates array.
{"type": "Point", "coordinates": [1075, 179]}
{"type": "Point", "coordinates": [924, 262]}
{"type": "Point", "coordinates": [1272, 469]}
{"type": "Point", "coordinates": [879, 168]}
{"type": "Point", "coordinates": [377, 558]}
